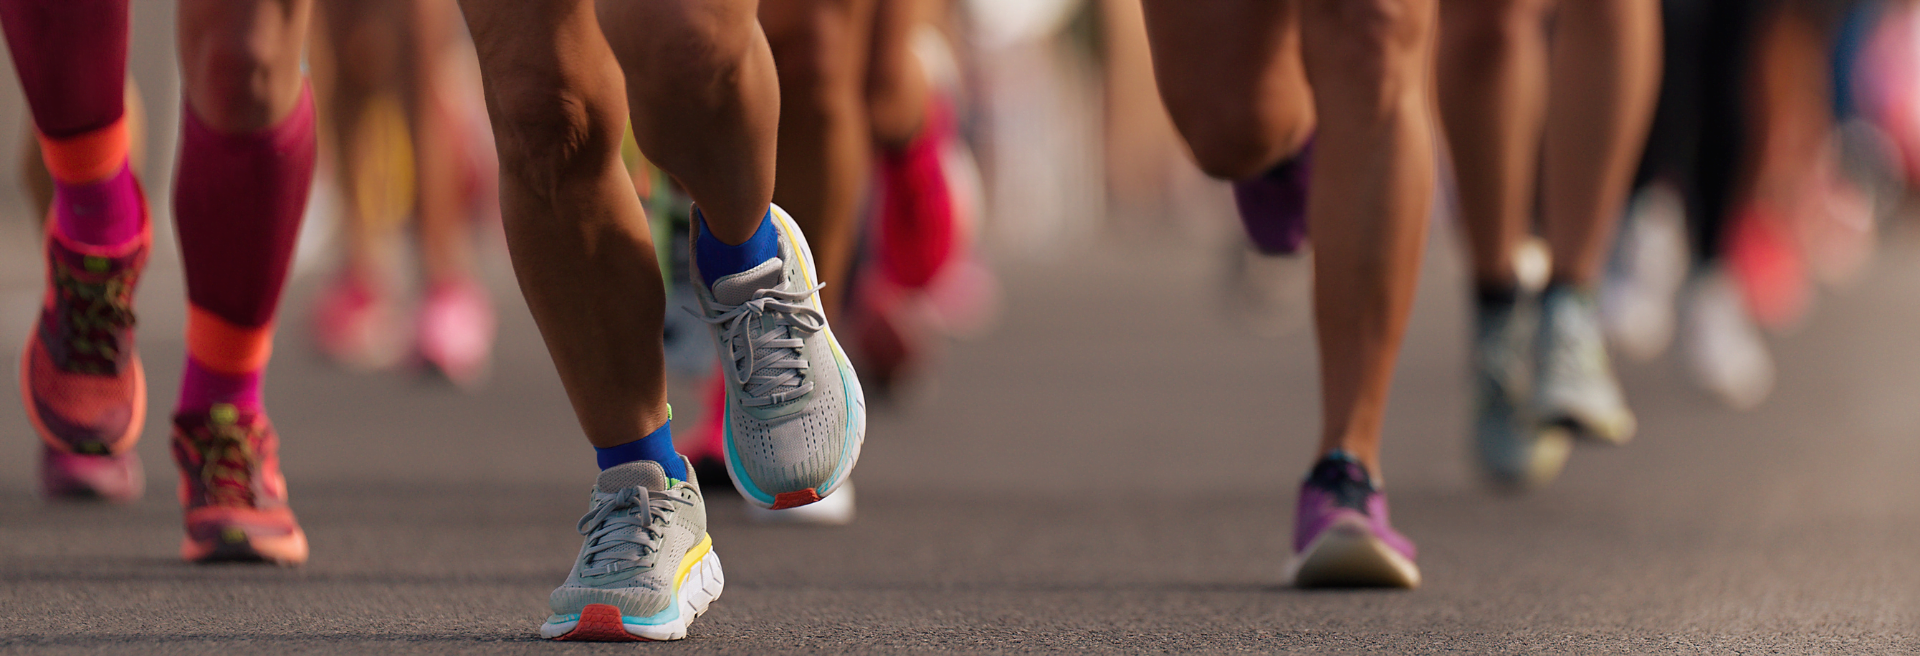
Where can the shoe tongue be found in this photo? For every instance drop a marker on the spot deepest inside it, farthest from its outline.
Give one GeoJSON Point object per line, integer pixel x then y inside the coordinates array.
{"type": "Point", "coordinates": [639, 473]}
{"type": "Point", "coordinates": [739, 288]}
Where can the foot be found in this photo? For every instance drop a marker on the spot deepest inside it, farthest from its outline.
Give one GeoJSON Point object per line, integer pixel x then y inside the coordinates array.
{"type": "Point", "coordinates": [795, 414]}
{"type": "Point", "coordinates": [115, 477]}
{"type": "Point", "coordinates": [647, 568]}
{"type": "Point", "coordinates": [1643, 279]}
{"type": "Point", "coordinates": [355, 324]}
{"type": "Point", "coordinates": [455, 332]}
{"type": "Point", "coordinates": [1723, 348]}
{"type": "Point", "coordinates": [919, 224]}
{"type": "Point", "coordinates": [1574, 387]}
{"type": "Point", "coordinates": [835, 510]}
{"type": "Point", "coordinates": [1513, 454]}
{"type": "Point", "coordinates": [231, 487]}
{"type": "Point", "coordinates": [1273, 206]}
{"type": "Point", "coordinates": [1341, 536]}
{"type": "Point", "coordinates": [81, 377]}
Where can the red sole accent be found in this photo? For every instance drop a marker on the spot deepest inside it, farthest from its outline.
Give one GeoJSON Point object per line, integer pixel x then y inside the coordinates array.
{"type": "Point", "coordinates": [600, 623]}
{"type": "Point", "coordinates": [795, 499]}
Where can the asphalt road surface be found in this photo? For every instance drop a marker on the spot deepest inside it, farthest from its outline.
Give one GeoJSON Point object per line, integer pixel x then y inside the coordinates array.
{"type": "Point", "coordinates": [1111, 470]}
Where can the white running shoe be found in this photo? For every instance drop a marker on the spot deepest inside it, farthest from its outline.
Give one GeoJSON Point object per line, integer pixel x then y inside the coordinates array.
{"type": "Point", "coordinates": [647, 568]}
{"type": "Point", "coordinates": [1512, 452]}
{"type": "Point", "coordinates": [835, 510]}
{"type": "Point", "coordinates": [1574, 387]}
{"type": "Point", "coordinates": [1637, 299]}
{"type": "Point", "coordinates": [1724, 349]}
{"type": "Point", "coordinates": [796, 416]}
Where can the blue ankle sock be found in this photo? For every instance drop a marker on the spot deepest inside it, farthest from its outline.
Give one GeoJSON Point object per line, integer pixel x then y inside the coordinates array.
{"type": "Point", "coordinates": [657, 446]}
{"type": "Point", "coordinates": [719, 259]}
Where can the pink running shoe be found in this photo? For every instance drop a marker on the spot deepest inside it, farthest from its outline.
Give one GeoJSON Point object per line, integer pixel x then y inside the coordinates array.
{"type": "Point", "coordinates": [455, 332]}
{"type": "Point", "coordinates": [917, 230]}
{"type": "Point", "coordinates": [115, 477]}
{"type": "Point", "coordinates": [80, 375]}
{"type": "Point", "coordinates": [232, 491]}
{"type": "Point", "coordinates": [1341, 537]}
{"type": "Point", "coordinates": [355, 324]}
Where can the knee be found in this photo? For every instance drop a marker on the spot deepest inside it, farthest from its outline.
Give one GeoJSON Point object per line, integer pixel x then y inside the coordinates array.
{"type": "Point", "coordinates": [1366, 55]}
{"type": "Point", "coordinates": [819, 71]}
{"type": "Point", "coordinates": [550, 133]}
{"type": "Point", "coordinates": [240, 80]}
{"type": "Point", "coordinates": [1487, 26]}
{"type": "Point", "coordinates": [1230, 140]}
{"type": "Point", "coordinates": [693, 47]}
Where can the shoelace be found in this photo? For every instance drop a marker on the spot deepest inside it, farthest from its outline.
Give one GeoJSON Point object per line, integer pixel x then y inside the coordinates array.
{"type": "Point", "coordinates": [766, 365]}
{"type": "Point", "coordinates": [621, 530]}
{"type": "Point", "coordinates": [226, 464]}
{"type": "Point", "coordinates": [97, 313]}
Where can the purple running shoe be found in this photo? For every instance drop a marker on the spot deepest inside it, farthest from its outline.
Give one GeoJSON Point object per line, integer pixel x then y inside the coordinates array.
{"type": "Point", "coordinates": [1341, 538]}
{"type": "Point", "coordinates": [1273, 206]}
{"type": "Point", "coordinates": [114, 477]}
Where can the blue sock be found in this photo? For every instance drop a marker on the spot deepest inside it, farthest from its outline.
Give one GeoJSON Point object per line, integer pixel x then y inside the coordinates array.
{"type": "Point", "coordinates": [657, 446]}
{"type": "Point", "coordinates": [719, 259]}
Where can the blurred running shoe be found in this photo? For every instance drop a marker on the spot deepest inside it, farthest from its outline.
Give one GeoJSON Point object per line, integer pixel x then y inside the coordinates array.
{"type": "Point", "coordinates": [1273, 206]}
{"type": "Point", "coordinates": [1643, 279]}
{"type": "Point", "coordinates": [455, 332]}
{"type": "Point", "coordinates": [835, 510]}
{"type": "Point", "coordinates": [232, 490]}
{"type": "Point", "coordinates": [1724, 350]}
{"type": "Point", "coordinates": [917, 228]}
{"type": "Point", "coordinates": [689, 350]}
{"type": "Point", "coordinates": [1269, 296]}
{"type": "Point", "coordinates": [1574, 387]}
{"type": "Point", "coordinates": [1513, 453]}
{"type": "Point", "coordinates": [81, 376]}
{"type": "Point", "coordinates": [356, 324]}
{"type": "Point", "coordinates": [1769, 269]}
{"type": "Point", "coordinates": [647, 568]}
{"type": "Point", "coordinates": [1342, 537]}
{"type": "Point", "coordinates": [115, 477]}
{"type": "Point", "coordinates": [796, 416]}
{"type": "Point", "coordinates": [894, 343]}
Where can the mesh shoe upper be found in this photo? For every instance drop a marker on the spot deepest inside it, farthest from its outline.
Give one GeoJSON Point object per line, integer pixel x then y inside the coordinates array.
{"type": "Point", "coordinates": [230, 481]}
{"type": "Point", "coordinates": [793, 410]}
{"type": "Point", "coordinates": [1502, 341]}
{"type": "Point", "coordinates": [1574, 382]}
{"type": "Point", "coordinates": [643, 532]}
{"type": "Point", "coordinates": [84, 386]}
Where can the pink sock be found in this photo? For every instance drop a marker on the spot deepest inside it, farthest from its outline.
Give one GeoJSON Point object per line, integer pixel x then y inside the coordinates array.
{"type": "Point", "coordinates": [105, 213]}
{"type": "Point", "coordinates": [238, 199]}
{"type": "Point", "coordinates": [202, 387]}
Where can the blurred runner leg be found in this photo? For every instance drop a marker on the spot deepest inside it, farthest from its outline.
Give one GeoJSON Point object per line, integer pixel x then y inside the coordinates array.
{"type": "Point", "coordinates": [388, 70]}
{"type": "Point", "coordinates": [1235, 76]}
{"type": "Point", "coordinates": [84, 390]}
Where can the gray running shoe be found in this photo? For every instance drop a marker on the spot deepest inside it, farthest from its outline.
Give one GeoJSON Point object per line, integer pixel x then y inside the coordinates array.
{"type": "Point", "coordinates": [1513, 454]}
{"type": "Point", "coordinates": [795, 414]}
{"type": "Point", "coordinates": [647, 568]}
{"type": "Point", "coordinates": [1574, 388]}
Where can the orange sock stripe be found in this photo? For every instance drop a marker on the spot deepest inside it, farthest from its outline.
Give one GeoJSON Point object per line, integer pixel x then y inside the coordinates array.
{"type": "Point", "coordinates": [226, 347]}
{"type": "Point", "coordinates": [89, 157]}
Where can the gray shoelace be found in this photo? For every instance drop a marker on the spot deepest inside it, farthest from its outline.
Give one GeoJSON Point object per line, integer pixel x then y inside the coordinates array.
{"type": "Point", "coordinates": [621, 531]}
{"type": "Point", "coordinates": [766, 364]}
